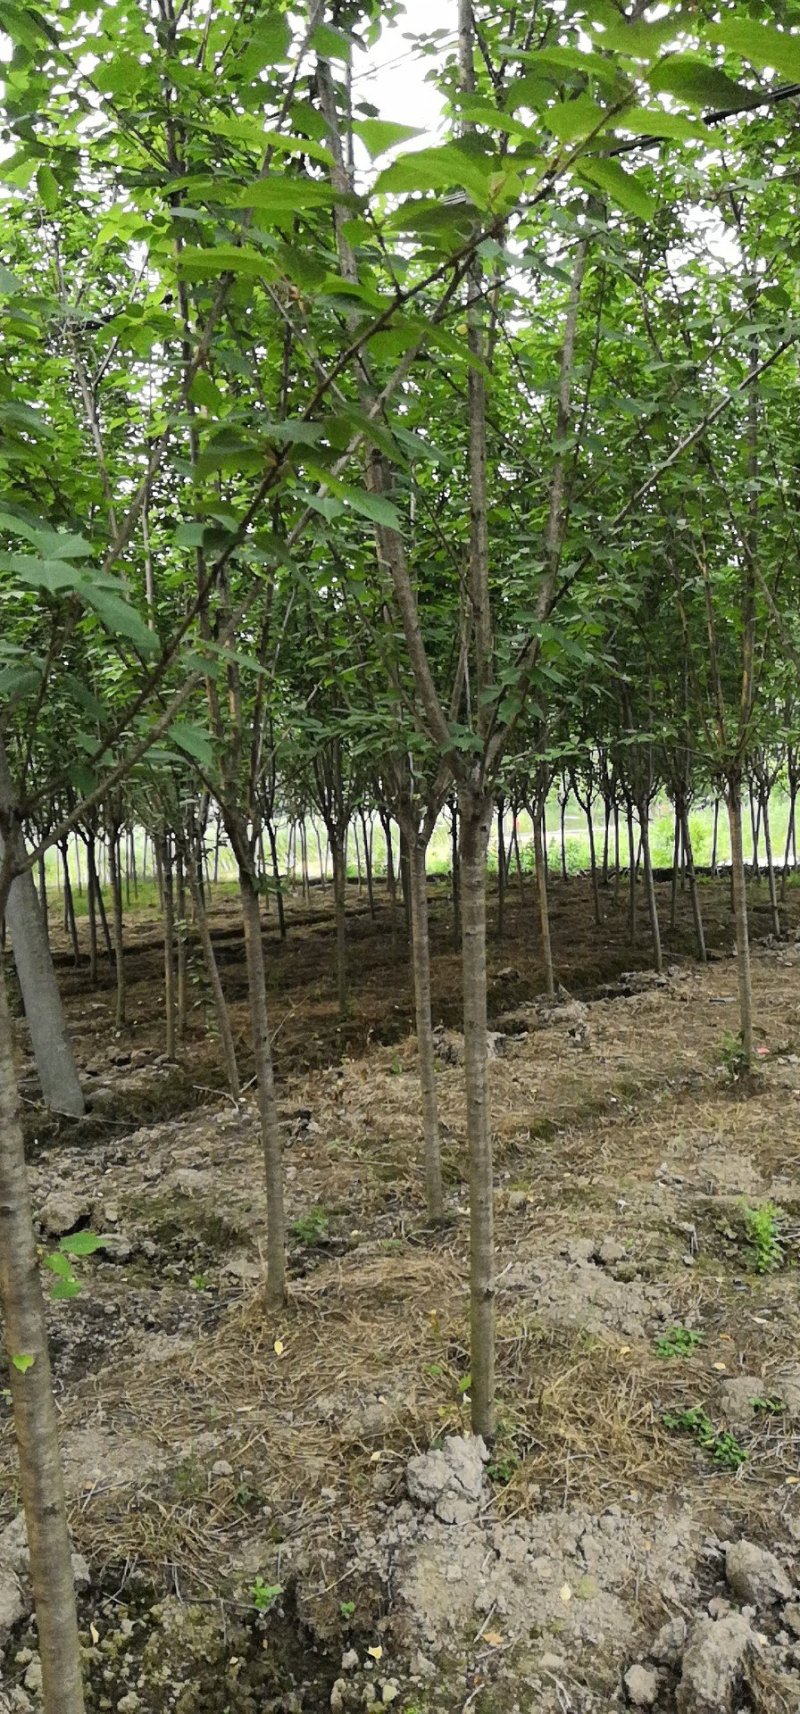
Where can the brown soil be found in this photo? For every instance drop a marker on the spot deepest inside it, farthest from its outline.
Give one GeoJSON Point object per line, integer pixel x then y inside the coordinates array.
{"type": "Point", "coordinates": [208, 1444]}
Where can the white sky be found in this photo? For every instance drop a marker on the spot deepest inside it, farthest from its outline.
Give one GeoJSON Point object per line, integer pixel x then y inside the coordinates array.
{"type": "Point", "coordinates": [395, 81]}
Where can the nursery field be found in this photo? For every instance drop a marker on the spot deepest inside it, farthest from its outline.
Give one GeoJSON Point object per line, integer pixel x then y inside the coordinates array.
{"type": "Point", "coordinates": [260, 1522]}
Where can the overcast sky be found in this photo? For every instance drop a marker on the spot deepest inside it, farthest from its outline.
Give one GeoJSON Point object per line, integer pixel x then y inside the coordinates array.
{"type": "Point", "coordinates": [392, 75]}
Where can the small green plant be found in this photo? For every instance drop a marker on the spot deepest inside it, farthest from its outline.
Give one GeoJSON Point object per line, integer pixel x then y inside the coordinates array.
{"type": "Point", "coordinates": [762, 1225]}
{"type": "Point", "coordinates": [264, 1595]}
{"type": "Point", "coordinates": [502, 1469]}
{"type": "Point", "coordinates": [59, 1261]}
{"type": "Point", "coordinates": [769, 1405]}
{"type": "Point", "coordinates": [724, 1448]}
{"type": "Point", "coordinates": [734, 1058]}
{"type": "Point", "coordinates": [310, 1228]}
{"type": "Point", "coordinates": [678, 1342]}
{"type": "Point", "coordinates": [347, 1609]}
{"type": "Point", "coordinates": [199, 1282]}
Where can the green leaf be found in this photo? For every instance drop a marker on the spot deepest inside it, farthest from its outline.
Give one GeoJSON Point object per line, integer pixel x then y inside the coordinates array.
{"type": "Point", "coordinates": [330, 44]}
{"type": "Point", "coordinates": [576, 118]}
{"type": "Point", "coordinates": [66, 1288]}
{"type": "Point", "coordinates": [9, 284]}
{"type": "Point", "coordinates": [626, 189]}
{"type": "Point", "coordinates": [762, 44]}
{"type": "Point", "coordinates": [23, 1362]}
{"type": "Point", "coordinates": [374, 507]}
{"type": "Point", "coordinates": [119, 617]}
{"type": "Point", "coordinates": [194, 741]}
{"type": "Point", "coordinates": [284, 193]}
{"type": "Point", "coordinates": [204, 392]}
{"type": "Point", "coordinates": [47, 187]}
{"type": "Point", "coordinates": [657, 122]}
{"type": "Point", "coordinates": [443, 168]}
{"type": "Point", "coordinates": [189, 535]}
{"type": "Point", "coordinates": [52, 575]}
{"type": "Point", "coordinates": [198, 263]}
{"type": "Point", "coordinates": [121, 75]}
{"type": "Point", "coordinates": [270, 43]}
{"type": "Point", "coordinates": [696, 82]}
{"type": "Point", "coordinates": [378, 135]}
{"type": "Point", "coordinates": [59, 1264]}
{"type": "Point", "coordinates": [82, 1243]}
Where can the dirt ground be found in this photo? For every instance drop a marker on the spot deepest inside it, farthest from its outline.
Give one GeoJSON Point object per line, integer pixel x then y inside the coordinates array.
{"type": "Point", "coordinates": [261, 1524]}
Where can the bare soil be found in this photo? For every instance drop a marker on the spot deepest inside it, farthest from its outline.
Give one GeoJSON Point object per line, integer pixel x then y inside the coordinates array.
{"type": "Point", "coordinates": [215, 1453]}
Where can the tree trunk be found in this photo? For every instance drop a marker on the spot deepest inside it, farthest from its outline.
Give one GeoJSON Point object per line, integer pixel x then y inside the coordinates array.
{"type": "Point", "coordinates": [35, 1422]}
{"type": "Point", "coordinates": [773, 894]}
{"type": "Point", "coordinates": [694, 893]}
{"type": "Point", "coordinates": [790, 827]}
{"type": "Point", "coordinates": [163, 859]}
{"type": "Point", "coordinates": [755, 827]}
{"type": "Point", "coordinates": [420, 949]}
{"type": "Point", "coordinates": [265, 1083]}
{"type": "Point", "coordinates": [715, 830]}
{"type": "Point", "coordinates": [366, 830]}
{"type": "Point", "coordinates": [340, 915]}
{"type": "Point", "coordinates": [475, 818]}
{"type": "Point", "coordinates": [96, 889]}
{"type": "Point", "coordinates": [43, 897]}
{"type": "Point", "coordinates": [740, 920]}
{"type": "Point", "coordinates": [606, 834]}
{"type": "Point", "coordinates": [616, 849]}
{"type": "Point", "coordinates": [631, 876]}
{"type": "Point", "coordinates": [193, 872]}
{"type": "Point", "coordinates": [276, 872]}
{"type": "Point", "coordinates": [542, 899]}
{"type": "Point", "coordinates": [319, 857]}
{"type": "Point", "coordinates": [181, 946]}
{"type": "Point", "coordinates": [391, 881]}
{"type": "Point", "coordinates": [649, 886]}
{"type": "Point", "coordinates": [304, 862]}
{"type": "Point", "coordinates": [455, 874]}
{"type": "Point", "coordinates": [404, 882]}
{"type": "Point", "coordinates": [593, 866]}
{"type": "Point", "coordinates": [91, 906]}
{"type": "Point", "coordinates": [52, 1050]}
{"type": "Point", "coordinates": [676, 857]}
{"type": "Point", "coordinates": [501, 866]}
{"type": "Point", "coordinates": [119, 949]}
{"type": "Point", "coordinates": [69, 904]}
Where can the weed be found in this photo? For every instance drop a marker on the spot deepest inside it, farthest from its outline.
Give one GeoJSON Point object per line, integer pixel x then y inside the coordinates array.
{"type": "Point", "coordinates": [678, 1342]}
{"type": "Point", "coordinates": [734, 1058]}
{"type": "Point", "coordinates": [769, 1406]}
{"type": "Point", "coordinates": [347, 1609]}
{"type": "Point", "coordinates": [312, 1227]}
{"type": "Point", "coordinates": [502, 1469]}
{"type": "Point", "coordinates": [199, 1282]}
{"type": "Point", "coordinates": [762, 1228]}
{"type": "Point", "coordinates": [724, 1447]}
{"type": "Point", "coordinates": [264, 1595]}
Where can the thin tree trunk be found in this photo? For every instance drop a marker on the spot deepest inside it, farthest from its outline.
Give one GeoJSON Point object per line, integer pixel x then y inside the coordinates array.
{"type": "Point", "coordinates": [501, 866]}
{"type": "Point", "coordinates": [740, 921]}
{"type": "Point", "coordinates": [91, 905]}
{"type": "Point", "coordinates": [69, 904]}
{"type": "Point", "coordinates": [563, 835]}
{"type": "Point", "coordinates": [420, 950]}
{"type": "Point", "coordinates": [790, 827]}
{"type": "Point", "coordinates": [119, 949]}
{"type": "Point", "coordinates": [96, 891]}
{"type": "Point", "coordinates": [217, 841]}
{"type": "Point", "coordinates": [193, 872]}
{"type": "Point", "coordinates": [455, 874]}
{"type": "Point", "coordinates": [593, 866]}
{"type": "Point", "coordinates": [359, 865]}
{"type": "Point", "coordinates": [391, 880]}
{"type": "Point", "coordinates": [631, 876]}
{"type": "Point", "coordinates": [606, 833]}
{"type": "Point", "coordinates": [715, 829]}
{"type": "Point", "coordinates": [304, 861]}
{"type": "Point", "coordinates": [340, 916]}
{"type": "Point", "coordinates": [404, 882]}
{"type": "Point", "coordinates": [276, 872]}
{"type": "Point", "coordinates": [366, 831]}
{"type": "Point", "coordinates": [649, 884]}
{"type": "Point", "coordinates": [676, 853]}
{"type": "Point", "coordinates": [517, 857]}
{"type": "Point", "coordinates": [163, 860]}
{"type": "Point", "coordinates": [694, 892]}
{"type": "Point", "coordinates": [616, 849]}
{"type": "Point", "coordinates": [773, 894]}
{"type": "Point", "coordinates": [755, 827]}
{"type": "Point", "coordinates": [475, 819]}
{"type": "Point", "coordinates": [537, 817]}
{"type": "Point", "coordinates": [319, 857]}
{"type": "Point", "coordinates": [265, 1083]}
{"type": "Point", "coordinates": [181, 946]}
{"type": "Point", "coordinates": [35, 1422]}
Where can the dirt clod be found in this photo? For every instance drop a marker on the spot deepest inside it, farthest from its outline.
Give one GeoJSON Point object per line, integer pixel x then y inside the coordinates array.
{"type": "Point", "coordinates": [715, 1658]}
{"type": "Point", "coordinates": [755, 1575]}
{"type": "Point", "coordinates": [641, 1684]}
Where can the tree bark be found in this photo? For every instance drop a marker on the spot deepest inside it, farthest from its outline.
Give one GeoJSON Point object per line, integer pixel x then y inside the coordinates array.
{"type": "Point", "coordinates": [366, 830]}
{"type": "Point", "coordinates": [276, 874]}
{"type": "Point", "coordinates": [163, 859]}
{"type": "Point", "coordinates": [212, 971]}
{"type": "Point", "coordinates": [265, 1083]}
{"type": "Point", "coordinates": [501, 867]}
{"type": "Point", "coordinates": [69, 905]}
{"type": "Point", "coordinates": [739, 890]}
{"type": "Point", "coordinates": [420, 949]}
{"type": "Point", "coordinates": [52, 1049]}
{"type": "Point", "coordinates": [715, 831]}
{"type": "Point", "coordinates": [340, 915]}
{"type": "Point", "coordinates": [119, 949]}
{"type": "Point", "coordinates": [773, 894]}
{"type": "Point", "coordinates": [631, 876]}
{"type": "Point", "coordinates": [537, 817]}
{"type": "Point", "coordinates": [694, 892]}
{"type": "Point", "coordinates": [181, 946]}
{"type": "Point", "coordinates": [475, 819]}
{"type": "Point", "coordinates": [593, 865]}
{"type": "Point", "coordinates": [35, 1422]}
{"type": "Point", "coordinates": [455, 873]}
{"type": "Point", "coordinates": [790, 827]}
{"type": "Point", "coordinates": [649, 886]}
